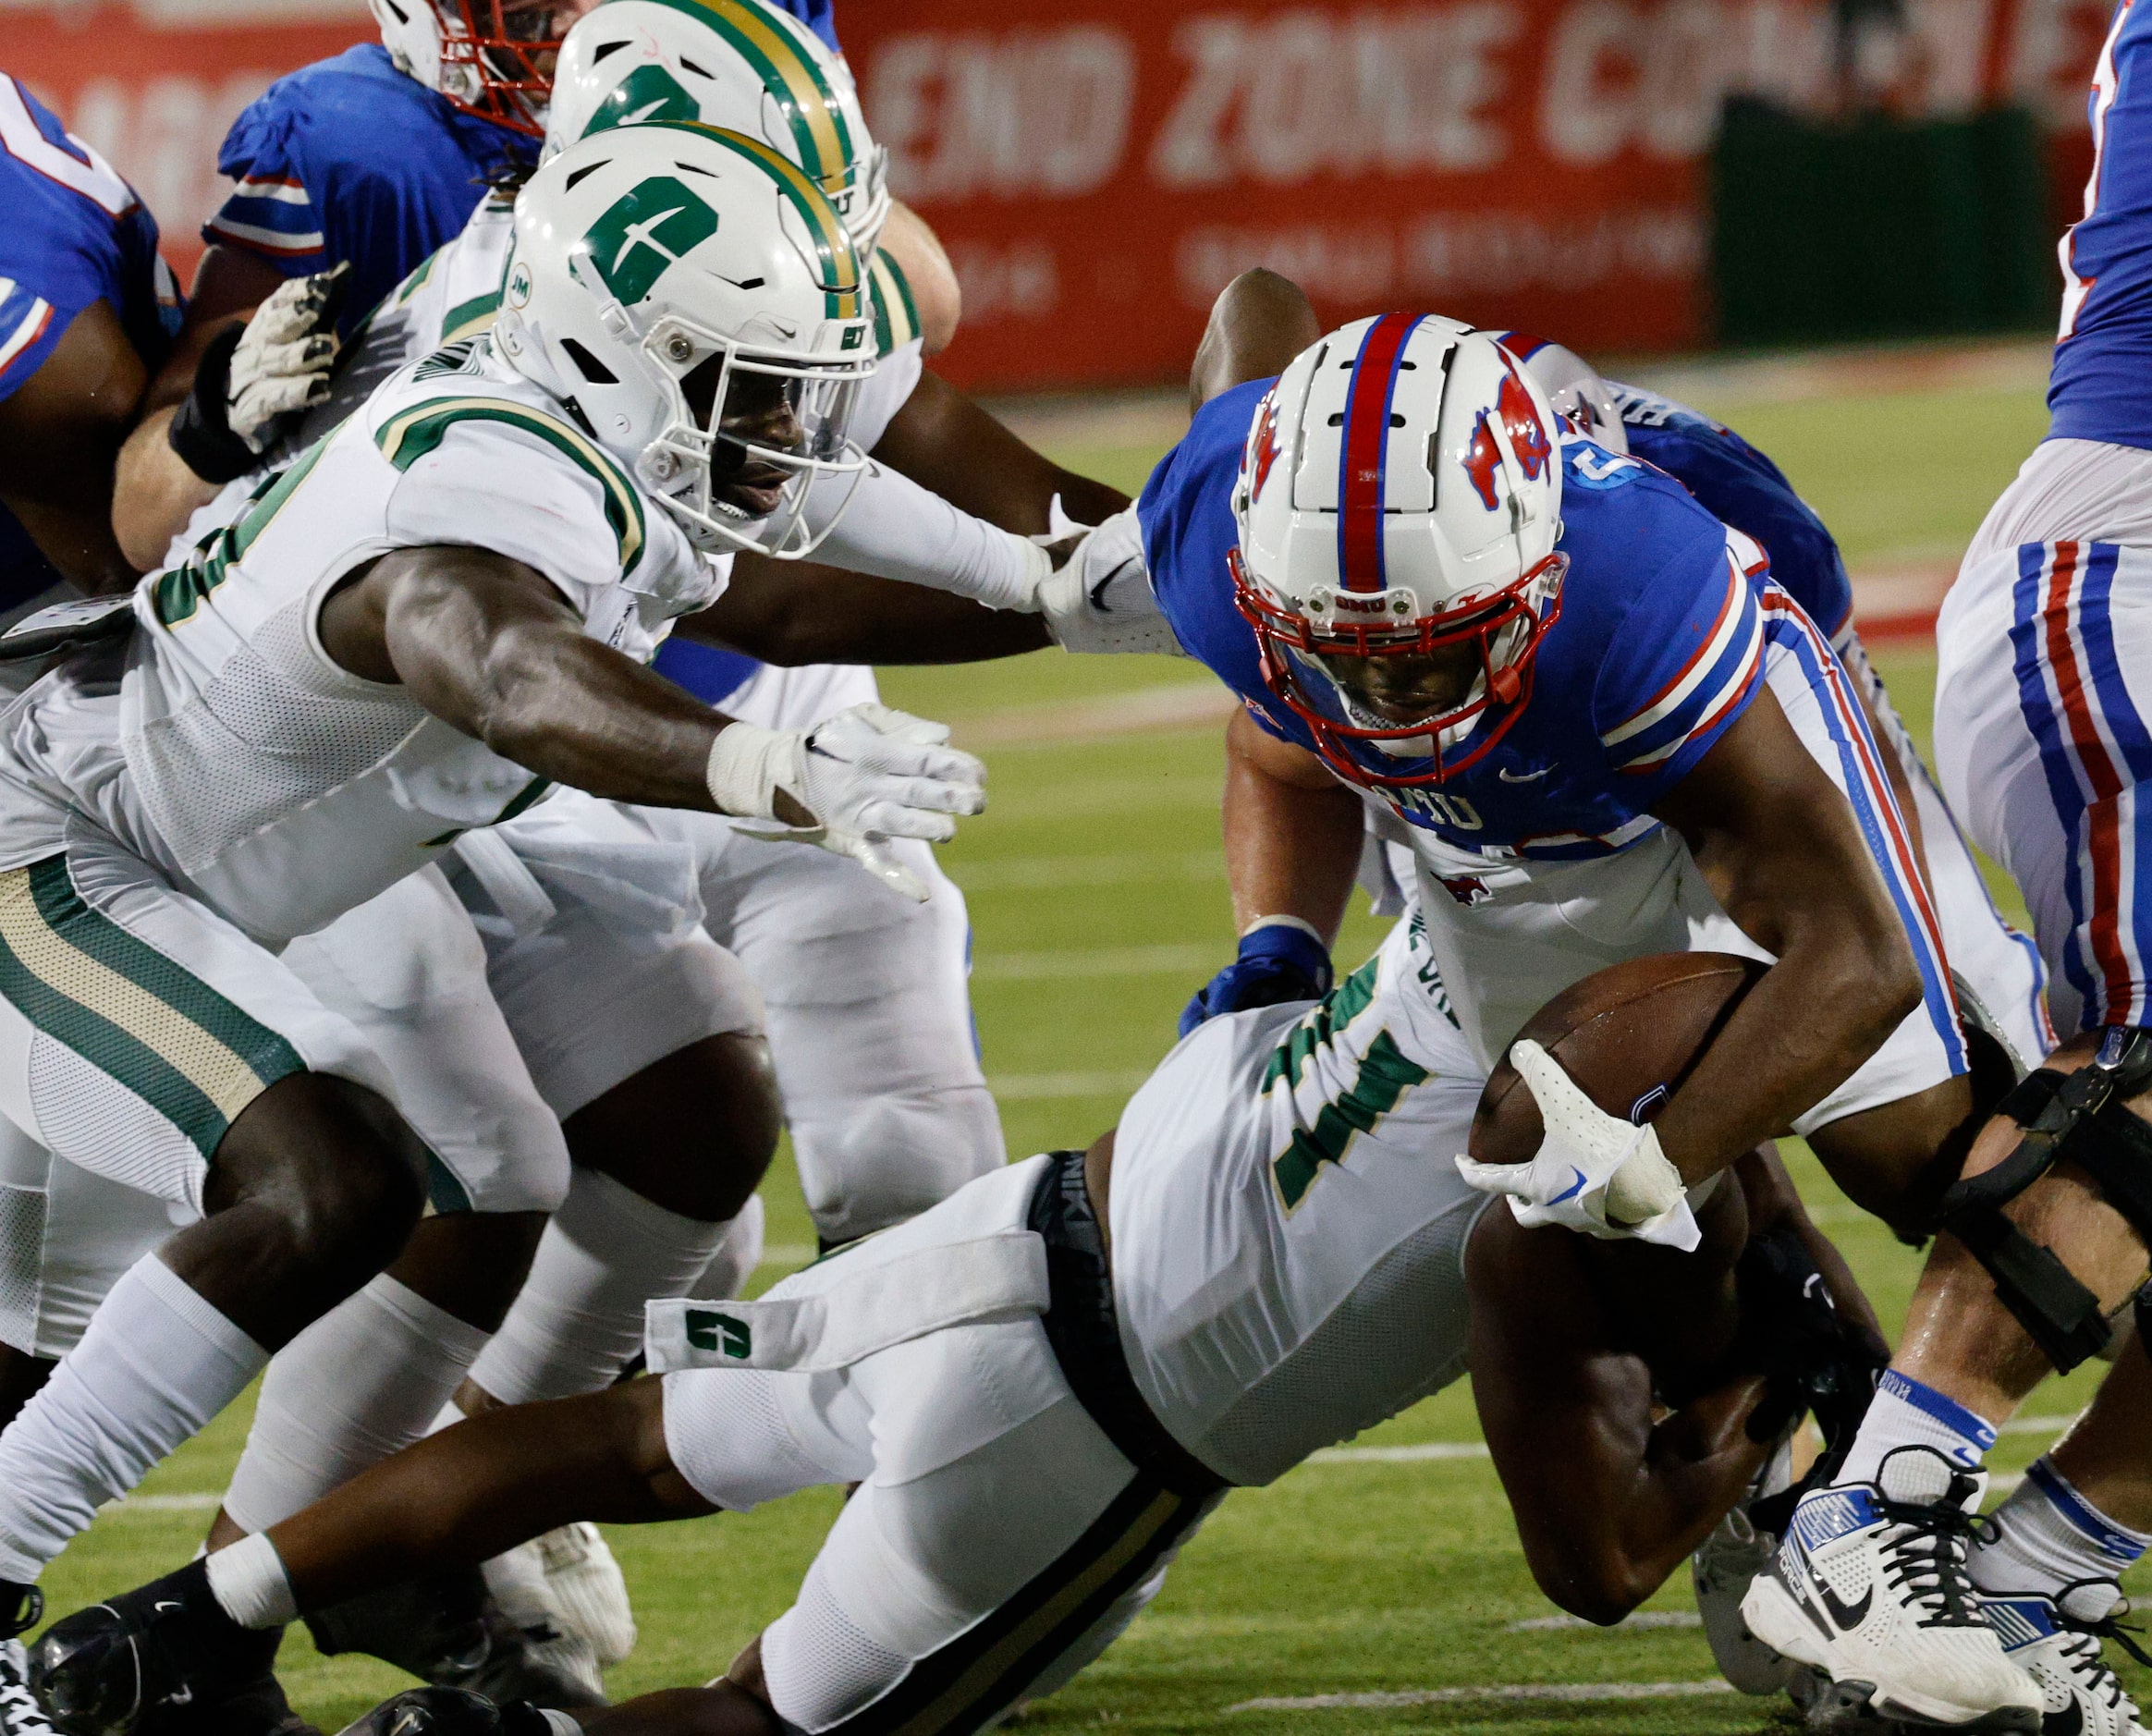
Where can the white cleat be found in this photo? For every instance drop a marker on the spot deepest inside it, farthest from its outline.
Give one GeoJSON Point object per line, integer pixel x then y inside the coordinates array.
{"type": "Point", "coordinates": [1869, 1588]}
{"type": "Point", "coordinates": [20, 1711]}
{"type": "Point", "coordinates": [2056, 1641]}
{"type": "Point", "coordinates": [1721, 1571]}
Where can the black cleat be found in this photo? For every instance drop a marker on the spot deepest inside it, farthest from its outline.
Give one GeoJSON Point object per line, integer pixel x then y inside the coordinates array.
{"type": "Point", "coordinates": [21, 1609]}
{"type": "Point", "coordinates": [448, 1712]}
{"type": "Point", "coordinates": [447, 1629]}
{"type": "Point", "coordinates": [20, 1711]}
{"type": "Point", "coordinates": [154, 1659]}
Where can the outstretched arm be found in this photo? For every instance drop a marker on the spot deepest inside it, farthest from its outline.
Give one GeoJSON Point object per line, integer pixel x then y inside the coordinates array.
{"type": "Point", "coordinates": [1608, 1499]}
{"type": "Point", "coordinates": [463, 1496]}
{"type": "Point", "coordinates": [792, 612]}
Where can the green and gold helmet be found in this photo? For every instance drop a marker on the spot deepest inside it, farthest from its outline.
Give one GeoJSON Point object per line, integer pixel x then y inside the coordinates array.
{"type": "Point", "coordinates": [697, 303]}
{"type": "Point", "coordinates": [736, 64]}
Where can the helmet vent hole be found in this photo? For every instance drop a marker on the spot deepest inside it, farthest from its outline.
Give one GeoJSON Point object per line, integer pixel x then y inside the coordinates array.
{"type": "Point", "coordinates": [1337, 419]}
{"type": "Point", "coordinates": [582, 175]}
{"type": "Point", "coordinates": [592, 368]}
{"type": "Point", "coordinates": [701, 72]}
{"type": "Point", "coordinates": [751, 283]}
{"type": "Point", "coordinates": [605, 49]}
{"type": "Point", "coordinates": [1397, 420]}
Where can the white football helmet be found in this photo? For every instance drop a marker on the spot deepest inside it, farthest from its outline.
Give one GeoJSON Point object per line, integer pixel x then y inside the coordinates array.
{"type": "Point", "coordinates": [1399, 503]}
{"type": "Point", "coordinates": [726, 63]}
{"type": "Point", "coordinates": [1580, 395]}
{"type": "Point", "coordinates": [696, 303]}
{"type": "Point", "coordinates": [493, 58]}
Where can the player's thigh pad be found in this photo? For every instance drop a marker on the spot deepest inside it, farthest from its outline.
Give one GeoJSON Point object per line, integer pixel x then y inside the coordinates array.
{"type": "Point", "coordinates": [2044, 687]}
{"type": "Point", "coordinates": [136, 1024]}
{"type": "Point", "coordinates": [2000, 979]}
{"type": "Point", "coordinates": [65, 1237]}
{"type": "Point", "coordinates": [408, 967]}
{"type": "Point", "coordinates": [938, 1603]}
{"type": "Point", "coordinates": [869, 1019]}
{"type": "Point", "coordinates": [608, 969]}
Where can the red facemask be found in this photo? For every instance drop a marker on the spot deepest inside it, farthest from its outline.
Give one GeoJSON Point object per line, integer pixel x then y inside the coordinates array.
{"type": "Point", "coordinates": [503, 45]}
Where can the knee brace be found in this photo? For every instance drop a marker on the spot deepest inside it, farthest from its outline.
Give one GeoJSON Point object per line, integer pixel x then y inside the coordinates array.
{"type": "Point", "coordinates": [2082, 1118]}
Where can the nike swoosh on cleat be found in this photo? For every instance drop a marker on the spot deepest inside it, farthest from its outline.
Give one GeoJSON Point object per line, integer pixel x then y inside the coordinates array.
{"type": "Point", "coordinates": [2069, 1721]}
{"type": "Point", "coordinates": [1848, 1616]}
{"type": "Point", "coordinates": [1573, 1190]}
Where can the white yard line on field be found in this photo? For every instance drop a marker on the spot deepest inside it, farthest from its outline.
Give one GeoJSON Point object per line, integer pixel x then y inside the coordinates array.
{"type": "Point", "coordinates": [1641, 1619]}
{"type": "Point", "coordinates": [1049, 874]}
{"type": "Point", "coordinates": [1172, 705]}
{"type": "Point", "coordinates": [1051, 1087]}
{"type": "Point", "coordinates": [169, 1503]}
{"type": "Point", "coordinates": [1419, 1452]}
{"type": "Point", "coordinates": [1042, 967]}
{"type": "Point", "coordinates": [1570, 1692]}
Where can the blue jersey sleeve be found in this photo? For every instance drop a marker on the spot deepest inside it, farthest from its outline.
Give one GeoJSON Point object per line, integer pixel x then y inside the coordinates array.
{"type": "Point", "coordinates": [1740, 486]}
{"type": "Point", "coordinates": [351, 162]}
{"type": "Point", "coordinates": [75, 234]}
{"type": "Point", "coordinates": [1186, 513]}
{"type": "Point", "coordinates": [819, 16]}
{"type": "Point", "coordinates": [270, 211]}
{"type": "Point", "coordinates": [1686, 660]}
{"type": "Point", "coordinates": [2104, 353]}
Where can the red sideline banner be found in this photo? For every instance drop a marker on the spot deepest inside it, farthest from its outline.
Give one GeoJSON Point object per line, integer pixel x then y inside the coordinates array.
{"type": "Point", "coordinates": [1099, 168]}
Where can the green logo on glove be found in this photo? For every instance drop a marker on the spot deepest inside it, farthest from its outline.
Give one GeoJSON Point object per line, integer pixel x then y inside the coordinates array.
{"type": "Point", "coordinates": [711, 1331]}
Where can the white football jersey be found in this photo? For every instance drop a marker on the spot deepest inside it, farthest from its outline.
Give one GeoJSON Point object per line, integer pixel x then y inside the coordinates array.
{"type": "Point", "coordinates": [1287, 1226]}
{"type": "Point", "coordinates": [282, 788]}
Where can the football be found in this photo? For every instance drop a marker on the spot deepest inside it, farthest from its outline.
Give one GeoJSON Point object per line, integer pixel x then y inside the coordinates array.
{"type": "Point", "coordinates": [1628, 1036]}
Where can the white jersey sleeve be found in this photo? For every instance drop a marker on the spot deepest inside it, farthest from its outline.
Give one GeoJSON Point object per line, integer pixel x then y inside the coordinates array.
{"type": "Point", "coordinates": [885, 392]}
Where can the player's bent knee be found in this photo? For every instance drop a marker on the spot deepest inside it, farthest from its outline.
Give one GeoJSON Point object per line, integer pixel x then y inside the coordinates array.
{"type": "Point", "coordinates": [2084, 1118]}
{"type": "Point", "coordinates": [333, 1161]}
{"type": "Point", "coordinates": [693, 1133]}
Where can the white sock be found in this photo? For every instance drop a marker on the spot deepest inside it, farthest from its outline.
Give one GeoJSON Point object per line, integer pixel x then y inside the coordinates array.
{"type": "Point", "coordinates": [156, 1364]}
{"type": "Point", "coordinates": [2047, 1535]}
{"type": "Point", "coordinates": [1906, 1414]}
{"type": "Point", "coordinates": [250, 1584]}
{"type": "Point", "coordinates": [579, 1318]}
{"type": "Point", "coordinates": [738, 1255]}
{"type": "Point", "coordinates": [363, 1382]}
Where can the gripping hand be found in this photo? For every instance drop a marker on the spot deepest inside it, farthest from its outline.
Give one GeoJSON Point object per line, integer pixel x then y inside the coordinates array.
{"type": "Point", "coordinates": [1099, 598]}
{"type": "Point", "coordinates": [250, 378]}
{"type": "Point", "coordinates": [867, 775]}
{"type": "Point", "coordinates": [1279, 961]}
{"type": "Point", "coordinates": [1593, 1172]}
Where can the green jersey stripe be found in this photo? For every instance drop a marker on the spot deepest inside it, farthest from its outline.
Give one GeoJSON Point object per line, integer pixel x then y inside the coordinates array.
{"type": "Point", "coordinates": [405, 439]}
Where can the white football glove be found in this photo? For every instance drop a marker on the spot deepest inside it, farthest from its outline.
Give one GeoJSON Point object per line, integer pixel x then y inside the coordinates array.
{"type": "Point", "coordinates": [867, 775]}
{"type": "Point", "coordinates": [1593, 1171]}
{"type": "Point", "coordinates": [1099, 598]}
{"type": "Point", "coordinates": [285, 356]}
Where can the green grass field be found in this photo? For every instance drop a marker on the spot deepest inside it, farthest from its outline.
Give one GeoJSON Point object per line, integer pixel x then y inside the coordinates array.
{"type": "Point", "coordinates": [1099, 904]}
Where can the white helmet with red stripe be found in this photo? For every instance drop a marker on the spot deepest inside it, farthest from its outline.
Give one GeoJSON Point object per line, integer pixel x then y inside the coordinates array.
{"type": "Point", "coordinates": [1399, 504]}
{"type": "Point", "coordinates": [1579, 392]}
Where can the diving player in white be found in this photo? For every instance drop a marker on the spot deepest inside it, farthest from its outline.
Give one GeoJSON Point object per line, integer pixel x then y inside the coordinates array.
{"type": "Point", "coordinates": [366, 672]}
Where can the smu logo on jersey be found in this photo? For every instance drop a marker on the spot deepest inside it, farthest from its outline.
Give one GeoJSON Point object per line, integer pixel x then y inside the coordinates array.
{"type": "Point", "coordinates": [1528, 442]}
{"type": "Point", "coordinates": [1467, 889]}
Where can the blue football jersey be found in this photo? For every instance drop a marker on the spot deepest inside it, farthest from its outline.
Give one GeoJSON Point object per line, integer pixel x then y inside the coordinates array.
{"type": "Point", "coordinates": [819, 16]}
{"type": "Point", "coordinates": [75, 235]}
{"type": "Point", "coordinates": [1657, 649]}
{"type": "Point", "coordinates": [1739, 486]}
{"type": "Point", "coordinates": [2104, 355]}
{"type": "Point", "coordinates": [349, 160]}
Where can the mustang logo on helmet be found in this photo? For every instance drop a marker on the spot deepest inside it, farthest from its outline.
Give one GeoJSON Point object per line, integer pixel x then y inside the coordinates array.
{"type": "Point", "coordinates": [1263, 445]}
{"type": "Point", "coordinates": [1528, 442]}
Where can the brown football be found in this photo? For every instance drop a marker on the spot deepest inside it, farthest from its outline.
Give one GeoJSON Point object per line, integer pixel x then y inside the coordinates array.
{"type": "Point", "coordinates": [1623, 1033]}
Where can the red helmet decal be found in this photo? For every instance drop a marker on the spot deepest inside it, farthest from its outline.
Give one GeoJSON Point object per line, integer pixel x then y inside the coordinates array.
{"type": "Point", "coordinates": [1266, 445]}
{"type": "Point", "coordinates": [1528, 441]}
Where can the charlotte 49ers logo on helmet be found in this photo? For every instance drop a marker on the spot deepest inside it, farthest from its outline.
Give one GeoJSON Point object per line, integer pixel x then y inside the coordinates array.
{"type": "Point", "coordinates": [1528, 441]}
